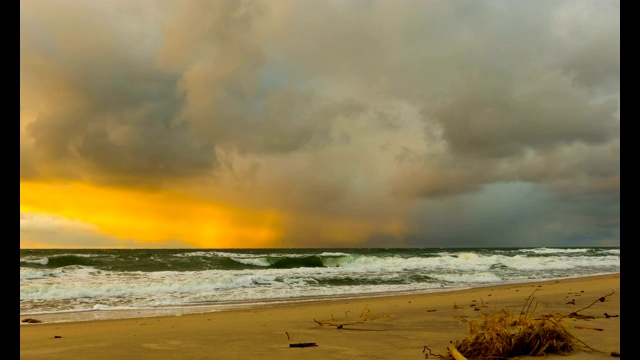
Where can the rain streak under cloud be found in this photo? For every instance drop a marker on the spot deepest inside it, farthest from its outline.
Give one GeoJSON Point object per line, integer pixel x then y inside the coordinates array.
{"type": "Point", "coordinates": [319, 123]}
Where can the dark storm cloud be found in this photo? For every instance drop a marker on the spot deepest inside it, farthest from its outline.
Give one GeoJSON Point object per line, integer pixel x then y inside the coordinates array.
{"type": "Point", "coordinates": [142, 103]}
{"type": "Point", "coordinates": [98, 101]}
{"type": "Point", "coordinates": [371, 112]}
{"type": "Point", "coordinates": [495, 117]}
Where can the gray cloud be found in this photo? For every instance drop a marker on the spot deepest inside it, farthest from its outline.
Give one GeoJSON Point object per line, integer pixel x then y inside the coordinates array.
{"type": "Point", "coordinates": [375, 112]}
{"type": "Point", "coordinates": [515, 214]}
{"type": "Point", "coordinates": [489, 118]}
{"type": "Point", "coordinates": [99, 102]}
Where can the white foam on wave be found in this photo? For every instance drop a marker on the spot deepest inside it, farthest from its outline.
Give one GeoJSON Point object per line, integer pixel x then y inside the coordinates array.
{"type": "Point", "coordinates": [554, 250]}
{"type": "Point", "coordinates": [67, 271]}
{"type": "Point", "coordinates": [468, 261]}
{"type": "Point", "coordinates": [558, 262]}
{"type": "Point", "coordinates": [468, 256]}
{"type": "Point", "coordinates": [36, 260]}
{"type": "Point", "coordinates": [250, 255]}
{"type": "Point", "coordinates": [476, 278]}
{"type": "Point", "coordinates": [259, 261]}
{"type": "Point", "coordinates": [334, 254]}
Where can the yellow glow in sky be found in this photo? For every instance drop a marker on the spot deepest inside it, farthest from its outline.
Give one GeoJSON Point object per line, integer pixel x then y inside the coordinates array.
{"type": "Point", "coordinates": [152, 216]}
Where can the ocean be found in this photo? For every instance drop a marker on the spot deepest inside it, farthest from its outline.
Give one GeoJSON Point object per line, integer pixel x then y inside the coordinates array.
{"type": "Point", "coordinates": [77, 285]}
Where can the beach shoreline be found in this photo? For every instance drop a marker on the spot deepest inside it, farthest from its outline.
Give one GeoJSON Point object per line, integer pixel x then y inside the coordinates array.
{"type": "Point", "coordinates": [377, 327]}
{"type": "Point", "coordinates": [106, 313]}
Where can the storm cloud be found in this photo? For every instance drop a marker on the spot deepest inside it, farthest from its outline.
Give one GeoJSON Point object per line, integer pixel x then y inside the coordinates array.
{"type": "Point", "coordinates": [375, 123]}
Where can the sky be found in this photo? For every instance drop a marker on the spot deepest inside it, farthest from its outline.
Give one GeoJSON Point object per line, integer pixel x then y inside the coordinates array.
{"type": "Point", "coordinates": [319, 123]}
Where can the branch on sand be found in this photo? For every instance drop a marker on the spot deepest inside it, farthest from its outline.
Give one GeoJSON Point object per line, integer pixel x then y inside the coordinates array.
{"type": "Point", "coordinates": [575, 313]}
{"type": "Point", "coordinates": [365, 315]}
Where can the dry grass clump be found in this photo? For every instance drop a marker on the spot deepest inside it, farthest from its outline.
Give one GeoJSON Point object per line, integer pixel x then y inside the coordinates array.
{"type": "Point", "coordinates": [502, 336]}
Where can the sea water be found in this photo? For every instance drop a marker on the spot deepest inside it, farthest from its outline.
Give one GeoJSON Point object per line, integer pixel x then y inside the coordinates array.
{"type": "Point", "coordinates": [75, 285]}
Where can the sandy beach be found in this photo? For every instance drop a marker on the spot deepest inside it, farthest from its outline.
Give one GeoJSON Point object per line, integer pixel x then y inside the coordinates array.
{"type": "Point", "coordinates": [389, 327]}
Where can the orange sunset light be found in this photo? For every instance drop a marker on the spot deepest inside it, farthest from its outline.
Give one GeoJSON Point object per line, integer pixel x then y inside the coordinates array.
{"type": "Point", "coordinates": [153, 216]}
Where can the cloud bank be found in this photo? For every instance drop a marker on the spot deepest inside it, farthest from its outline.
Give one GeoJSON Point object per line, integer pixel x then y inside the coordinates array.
{"type": "Point", "coordinates": [360, 123]}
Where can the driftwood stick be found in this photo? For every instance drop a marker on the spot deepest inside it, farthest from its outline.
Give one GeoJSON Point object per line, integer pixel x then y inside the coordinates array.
{"type": "Point", "coordinates": [454, 352]}
{"type": "Point", "coordinates": [303, 345]}
{"type": "Point", "coordinates": [363, 329]}
{"type": "Point", "coordinates": [601, 299]}
{"type": "Point", "coordinates": [590, 328]}
{"type": "Point", "coordinates": [339, 326]}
